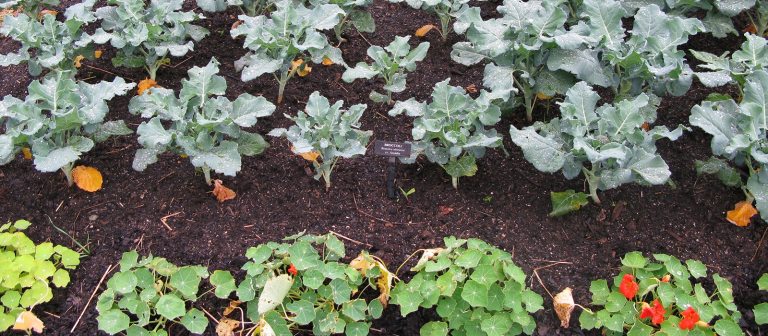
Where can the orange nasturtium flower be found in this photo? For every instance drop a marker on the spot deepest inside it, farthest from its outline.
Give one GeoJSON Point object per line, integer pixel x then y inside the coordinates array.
{"type": "Point", "coordinates": [27, 153]}
{"type": "Point", "coordinates": [292, 270]}
{"type": "Point", "coordinates": [690, 317]}
{"type": "Point", "coordinates": [146, 84]}
{"type": "Point", "coordinates": [665, 278]}
{"type": "Point", "coordinates": [327, 61]}
{"type": "Point", "coordinates": [628, 287]}
{"type": "Point", "coordinates": [655, 312]}
{"type": "Point", "coordinates": [302, 71]}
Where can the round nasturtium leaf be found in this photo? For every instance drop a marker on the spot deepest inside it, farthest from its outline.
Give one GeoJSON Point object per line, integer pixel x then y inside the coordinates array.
{"type": "Point", "coordinates": [195, 321]}
{"type": "Point", "coordinates": [170, 306]}
{"type": "Point", "coordinates": [274, 292]}
{"type": "Point", "coordinates": [113, 321]}
{"type": "Point", "coordinates": [123, 282]}
{"type": "Point", "coordinates": [434, 329]}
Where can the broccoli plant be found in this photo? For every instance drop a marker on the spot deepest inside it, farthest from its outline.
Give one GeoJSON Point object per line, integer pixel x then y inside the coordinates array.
{"type": "Point", "coordinates": [739, 135]}
{"type": "Point", "coordinates": [300, 282]}
{"type": "Point", "coordinates": [600, 51]}
{"type": "Point", "coordinates": [247, 7]}
{"type": "Point", "coordinates": [31, 8]}
{"type": "Point", "coordinates": [475, 287]}
{"type": "Point", "coordinates": [28, 271]}
{"type": "Point", "coordinates": [607, 144]}
{"type": "Point", "coordinates": [355, 14]}
{"type": "Point", "coordinates": [451, 130]}
{"type": "Point", "coordinates": [390, 64]}
{"type": "Point", "coordinates": [149, 293]}
{"type": "Point", "coordinates": [48, 43]}
{"type": "Point", "coordinates": [718, 19]}
{"type": "Point", "coordinates": [145, 35]}
{"type": "Point", "coordinates": [60, 119]}
{"type": "Point", "coordinates": [446, 11]}
{"type": "Point", "coordinates": [203, 123]}
{"type": "Point", "coordinates": [725, 69]}
{"type": "Point", "coordinates": [326, 133]}
{"type": "Point", "coordinates": [518, 46]}
{"type": "Point", "coordinates": [283, 43]}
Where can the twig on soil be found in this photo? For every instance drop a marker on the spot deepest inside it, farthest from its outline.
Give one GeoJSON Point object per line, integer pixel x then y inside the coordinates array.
{"type": "Point", "coordinates": [51, 314]}
{"type": "Point", "coordinates": [178, 64]}
{"type": "Point", "coordinates": [59, 207]}
{"type": "Point", "coordinates": [209, 315]}
{"type": "Point", "coordinates": [166, 176]}
{"type": "Point", "coordinates": [377, 218]}
{"type": "Point", "coordinates": [164, 219]}
{"type": "Point", "coordinates": [109, 269]}
{"type": "Point", "coordinates": [350, 239]}
{"type": "Point", "coordinates": [536, 273]}
{"type": "Point", "coordinates": [759, 244]}
{"type": "Point", "coordinates": [364, 39]}
{"type": "Point", "coordinates": [109, 72]}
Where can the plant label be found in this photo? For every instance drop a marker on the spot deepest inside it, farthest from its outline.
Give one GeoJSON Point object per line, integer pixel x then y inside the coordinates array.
{"type": "Point", "coordinates": [391, 149]}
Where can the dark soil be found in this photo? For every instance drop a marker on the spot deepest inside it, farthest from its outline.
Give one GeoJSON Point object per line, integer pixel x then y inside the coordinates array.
{"type": "Point", "coordinates": [506, 203]}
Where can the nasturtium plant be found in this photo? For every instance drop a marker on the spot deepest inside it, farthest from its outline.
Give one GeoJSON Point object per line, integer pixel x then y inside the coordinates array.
{"type": "Point", "coordinates": [303, 281]}
{"type": "Point", "coordinates": [451, 130]}
{"type": "Point", "coordinates": [284, 43]}
{"type": "Point", "coordinates": [247, 7]}
{"type": "Point", "coordinates": [760, 310]}
{"type": "Point", "coordinates": [325, 133]}
{"type": "Point", "coordinates": [476, 289]}
{"type": "Point", "coordinates": [724, 69]}
{"type": "Point", "coordinates": [27, 271]}
{"type": "Point", "coordinates": [145, 35]}
{"type": "Point", "coordinates": [739, 136]}
{"type": "Point", "coordinates": [147, 294]}
{"type": "Point", "coordinates": [200, 123]}
{"type": "Point", "coordinates": [60, 119]}
{"type": "Point", "coordinates": [47, 43]}
{"type": "Point", "coordinates": [608, 144]}
{"type": "Point", "coordinates": [446, 10]}
{"type": "Point", "coordinates": [662, 296]}
{"type": "Point", "coordinates": [518, 45]}
{"type": "Point", "coordinates": [390, 64]}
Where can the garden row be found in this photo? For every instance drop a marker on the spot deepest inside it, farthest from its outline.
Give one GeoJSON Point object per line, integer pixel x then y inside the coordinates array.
{"type": "Point", "coordinates": [534, 51]}
{"type": "Point", "coordinates": [475, 288]}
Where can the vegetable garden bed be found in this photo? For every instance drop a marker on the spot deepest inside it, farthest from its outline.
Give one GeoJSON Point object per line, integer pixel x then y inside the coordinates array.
{"type": "Point", "coordinates": [167, 211]}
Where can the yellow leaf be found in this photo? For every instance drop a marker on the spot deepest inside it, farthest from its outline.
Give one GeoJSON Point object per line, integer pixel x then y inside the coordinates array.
{"type": "Point", "coordinates": [78, 59]}
{"type": "Point", "coordinates": [27, 153]}
{"type": "Point", "coordinates": [741, 213]}
{"type": "Point", "coordinates": [327, 61]}
{"type": "Point", "coordinates": [542, 96]}
{"type": "Point", "coordinates": [364, 262]}
{"type": "Point", "coordinates": [421, 32]}
{"type": "Point", "coordinates": [564, 305]}
{"type": "Point", "coordinates": [232, 306]}
{"type": "Point", "coordinates": [146, 84]}
{"type": "Point", "coordinates": [87, 178]}
{"type": "Point", "coordinates": [309, 156]}
{"type": "Point", "coordinates": [27, 321]}
{"type": "Point", "coordinates": [97, 53]}
{"type": "Point", "coordinates": [221, 192]}
{"type": "Point", "coordinates": [183, 156]}
{"type": "Point", "coordinates": [227, 326]}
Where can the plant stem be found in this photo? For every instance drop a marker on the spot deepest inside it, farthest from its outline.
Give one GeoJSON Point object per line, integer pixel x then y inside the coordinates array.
{"type": "Point", "coordinates": [207, 174]}
{"type": "Point", "coordinates": [445, 26]}
{"type": "Point", "coordinates": [67, 169]}
{"type": "Point", "coordinates": [455, 182]}
{"type": "Point", "coordinates": [593, 182]}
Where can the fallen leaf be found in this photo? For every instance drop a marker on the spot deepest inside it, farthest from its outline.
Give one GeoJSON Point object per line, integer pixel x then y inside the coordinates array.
{"type": "Point", "coordinates": [78, 59]}
{"type": "Point", "coordinates": [28, 321]}
{"type": "Point", "coordinates": [232, 306]}
{"type": "Point", "coordinates": [750, 28]}
{"type": "Point", "coordinates": [227, 326]}
{"type": "Point", "coordinates": [45, 12]}
{"type": "Point", "coordinates": [327, 61]}
{"type": "Point", "coordinates": [741, 213]}
{"type": "Point", "coordinates": [564, 305]}
{"type": "Point", "coordinates": [309, 156]}
{"type": "Point", "coordinates": [421, 32]}
{"type": "Point", "coordinates": [221, 192]}
{"type": "Point", "coordinates": [27, 153]}
{"type": "Point", "coordinates": [646, 126]}
{"type": "Point", "coordinates": [97, 53]}
{"type": "Point", "coordinates": [146, 84]}
{"type": "Point", "coordinates": [87, 178]}
{"type": "Point", "coordinates": [444, 210]}
{"type": "Point", "coordinates": [364, 262]}
{"type": "Point", "coordinates": [542, 96]}
{"type": "Point", "coordinates": [471, 88]}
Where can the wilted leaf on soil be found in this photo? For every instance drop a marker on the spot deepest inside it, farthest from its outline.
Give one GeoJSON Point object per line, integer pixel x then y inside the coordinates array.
{"type": "Point", "coordinates": [309, 156]}
{"type": "Point", "coordinates": [227, 326]}
{"type": "Point", "coordinates": [568, 201]}
{"type": "Point", "coordinates": [364, 262]}
{"type": "Point", "coordinates": [741, 213]}
{"type": "Point", "coordinates": [232, 306]}
{"type": "Point", "coordinates": [28, 321]}
{"type": "Point", "coordinates": [302, 71]}
{"type": "Point", "coordinates": [421, 32]}
{"type": "Point", "coordinates": [564, 305]}
{"type": "Point", "coordinates": [87, 178]}
{"type": "Point", "coordinates": [221, 192]}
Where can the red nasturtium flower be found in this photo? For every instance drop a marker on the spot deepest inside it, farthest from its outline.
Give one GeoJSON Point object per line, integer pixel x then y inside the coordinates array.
{"type": "Point", "coordinates": [628, 287]}
{"type": "Point", "coordinates": [292, 270]}
{"type": "Point", "coordinates": [690, 317]}
{"type": "Point", "coordinates": [665, 278]}
{"type": "Point", "coordinates": [655, 312]}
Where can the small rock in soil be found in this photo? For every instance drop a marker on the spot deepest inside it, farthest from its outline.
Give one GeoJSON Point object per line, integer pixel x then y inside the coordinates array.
{"type": "Point", "coordinates": [93, 217]}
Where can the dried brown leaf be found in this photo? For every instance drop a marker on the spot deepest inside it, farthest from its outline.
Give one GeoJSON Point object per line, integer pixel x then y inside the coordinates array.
{"type": "Point", "coordinates": [221, 192]}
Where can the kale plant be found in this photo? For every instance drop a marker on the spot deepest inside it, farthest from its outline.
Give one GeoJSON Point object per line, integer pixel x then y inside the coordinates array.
{"type": "Point", "coordinates": [607, 144]}
{"type": "Point", "coordinates": [202, 123]}
{"type": "Point", "coordinates": [282, 44]}
{"type": "Point", "coordinates": [147, 34]}
{"type": "Point", "coordinates": [451, 130]}
{"type": "Point", "coordinates": [325, 133]}
{"type": "Point", "coordinates": [389, 63]}
{"type": "Point", "coordinates": [60, 119]}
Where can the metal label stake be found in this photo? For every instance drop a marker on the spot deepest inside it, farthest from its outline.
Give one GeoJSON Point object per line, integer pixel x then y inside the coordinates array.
{"type": "Point", "coordinates": [392, 150]}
